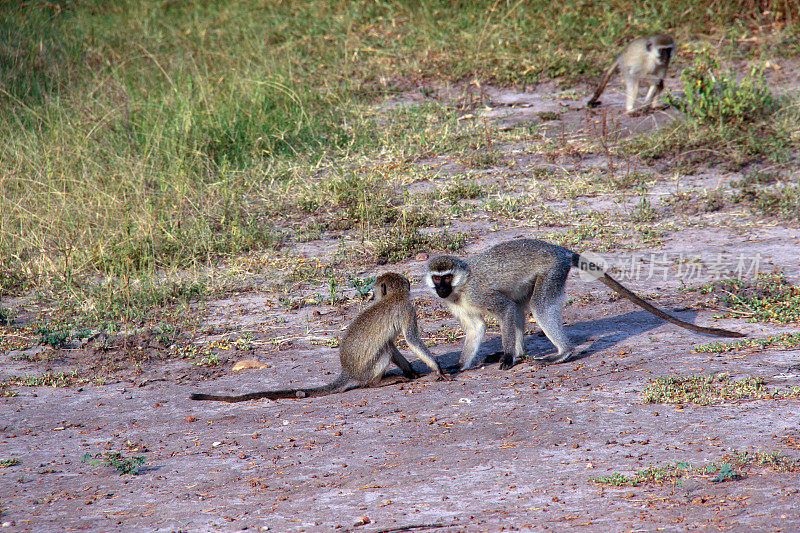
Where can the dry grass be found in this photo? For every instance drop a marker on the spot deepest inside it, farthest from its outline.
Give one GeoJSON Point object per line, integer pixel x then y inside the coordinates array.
{"type": "Point", "coordinates": [145, 140]}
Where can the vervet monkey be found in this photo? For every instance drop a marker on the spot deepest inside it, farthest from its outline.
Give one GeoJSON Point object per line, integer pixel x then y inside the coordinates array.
{"type": "Point", "coordinates": [512, 276]}
{"type": "Point", "coordinates": [367, 345]}
{"type": "Point", "coordinates": [643, 60]}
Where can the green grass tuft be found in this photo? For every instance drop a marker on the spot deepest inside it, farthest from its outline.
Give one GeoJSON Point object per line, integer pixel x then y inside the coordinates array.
{"type": "Point", "coordinates": [766, 298]}
{"type": "Point", "coordinates": [734, 466]}
{"type": "Point", "coordinates": [707, 390]}
{"type": "Point", "coordinates": [783, 341]}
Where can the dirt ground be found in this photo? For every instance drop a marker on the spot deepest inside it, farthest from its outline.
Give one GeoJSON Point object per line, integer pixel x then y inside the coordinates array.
{"type": "Point", "coordinates": [488, 451]}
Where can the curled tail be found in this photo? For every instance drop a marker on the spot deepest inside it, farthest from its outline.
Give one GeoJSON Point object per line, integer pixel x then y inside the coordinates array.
{"type": "Point", "coordinates": [587, 266]}
{"type": "Point", "coordinates": [340, 384]}
{"type": "Point", "coordinates": [602, 85]}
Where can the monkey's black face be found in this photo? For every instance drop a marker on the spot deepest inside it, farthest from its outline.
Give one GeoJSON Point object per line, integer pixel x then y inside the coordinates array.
{"type": "Point", "coordinates": [664, 54]}
{"type": "Point", "coordinates": [443, 285]}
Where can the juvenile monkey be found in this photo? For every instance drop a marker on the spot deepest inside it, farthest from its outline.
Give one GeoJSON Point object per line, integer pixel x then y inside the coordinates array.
{"type": "Point", "coordinates": [367, 345]}
{"type": "Point", "coordinates": [643, 60]}
{"type": "Point", "coordinates": [512, 276]}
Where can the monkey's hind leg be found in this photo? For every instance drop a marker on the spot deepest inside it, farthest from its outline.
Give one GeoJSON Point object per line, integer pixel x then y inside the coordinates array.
{"type": "Point", "coordinates": [549, 319]}
{"type": "Point", "coordinates": [387, 353]}
{"type": "Point", "coordinates": [402, 362]}
{"type": "Point", "coordinates": [547, 304]}
{"type": "Point", "coordinates": [513, 335]}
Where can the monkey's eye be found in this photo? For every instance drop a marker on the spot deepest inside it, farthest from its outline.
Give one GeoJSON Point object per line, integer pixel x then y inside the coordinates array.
{"type": "Point", "coordinates": [436, 279]}
{"type": "Point", "coordinates": [448, 278]}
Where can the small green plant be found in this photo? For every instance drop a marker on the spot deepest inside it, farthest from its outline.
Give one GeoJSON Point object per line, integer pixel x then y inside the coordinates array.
{"type": "Point", "coordinates": [712, 389]}
{"type": "Point", "coordinates": [774, 460]}
{"type": "Point", "coordinates": [243, 343]}
{"type": "Point", "coordinates": [780, 201]}
{"type": "Point", "coordinates": [209, 360]}
{"type": "Point", "coordinates": [56, 339]}
{"type": "Point", "coordinates": [289, 303]}
{"type": "Point", "coordinates": [766, 298]}
{"type": "Point", "coordinates": [615, 478]}
{"type": "Point", "coordinates": [462, 190]}
{"type": "Point", "coordinates": [5, 463]}
{"type": "Point", "coordinates": [167, 334]}
{"type": "Point", "coordinates": [549, 115]}
{"type": "Point", "coordinates": [333, 290]}
{"type": "Point", "coordinates": [511, 207]}
{"type": "Point", "coordinates": [725, 473]}
{"type": "Point", "coordinates": [483, 158]}
{"type": "Point", "coordinates": [684, 202]}
{"type": "Point", "coordinates": [362, 286]}
{"type": "Point", "coordinates": [715, 98]}
{"type": "Point", "coordinates": [401, 243]}
{"type": "Point", "coordinates": [784, 341]}
{"type": "Point", "coordinates": [756, 178]}
{"type": "Point", "coordinates": [626, 180]}
{"type": "Point", "coordinates": [651, 474]}
{"type": "Point", "coordinates": [728, 468]}
{"type": "Point", "coordinates": [714, 201]}
{"type": "Point", "coordinates": [122, 464]}
{"type": "Point", "coordinates": [60, 379]}
{"type": "Point", "coordinates": [644, 212]}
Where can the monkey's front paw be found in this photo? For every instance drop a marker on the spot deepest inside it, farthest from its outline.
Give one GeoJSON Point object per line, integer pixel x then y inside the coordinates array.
{"type": "Point", "coordinates": [444, 377]}
{"type": "Point", "coordinates": [593, 103]}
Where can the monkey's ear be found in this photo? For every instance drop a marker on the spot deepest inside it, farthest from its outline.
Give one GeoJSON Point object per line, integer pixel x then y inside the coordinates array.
{"type": "Point", "coordinates": [648, 46]}
{"type": "Point", "coordinates": [383, 289]}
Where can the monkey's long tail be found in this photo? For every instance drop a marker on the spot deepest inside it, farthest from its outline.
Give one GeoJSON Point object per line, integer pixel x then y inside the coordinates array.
{"type": "Point", "coordinates": [587, 266]}
{"type": "Point", "coordinates": [602, 85]}
{"type": "Point", "coordinates": [340, 384]}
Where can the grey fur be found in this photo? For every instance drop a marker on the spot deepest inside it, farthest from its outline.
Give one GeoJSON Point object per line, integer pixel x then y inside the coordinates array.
{"type": "Point", "coordinates": [645, 59]}
{"type": "Point", "coordinates": [511, 277]}
{"type": "Point", "coordinates": [367, 345]}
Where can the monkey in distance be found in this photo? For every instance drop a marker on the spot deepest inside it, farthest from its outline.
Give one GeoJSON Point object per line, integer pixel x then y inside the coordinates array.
{"type": "Point", "coordinates": [367, 346]}
{"type": "Point", "coordinates": [511, 276]}
{"type": "Point", "coordinates": [643, 60]}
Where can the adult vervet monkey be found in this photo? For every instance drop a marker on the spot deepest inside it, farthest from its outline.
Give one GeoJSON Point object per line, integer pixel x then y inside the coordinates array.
{"type": "Point", "coordinates": [643, 60]}
{"type": "Point", "coordinates": [367, 345]}
{"type": "Point", "coordinates": [510, 277]}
